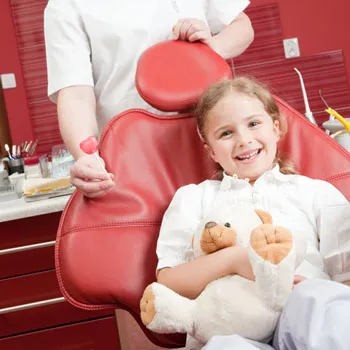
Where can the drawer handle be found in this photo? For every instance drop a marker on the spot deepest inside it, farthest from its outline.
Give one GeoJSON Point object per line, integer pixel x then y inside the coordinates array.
{"type": "Point", "coordinates": [27, 247]}
{"type": "Point", "coordinates": [7, 310]}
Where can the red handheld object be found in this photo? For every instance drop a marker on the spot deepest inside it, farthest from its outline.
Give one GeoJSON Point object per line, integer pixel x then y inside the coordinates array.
{"type": "Point", "coordinates": [89, 145]}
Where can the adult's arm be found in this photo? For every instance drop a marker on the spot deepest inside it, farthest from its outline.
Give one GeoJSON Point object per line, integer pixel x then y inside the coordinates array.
{"type": "Point", "coordinates": [70, 85]}
{"type": "Point", "coordinates": [76, 110]}
{"type": "Point", "coordinates": [233, 39]}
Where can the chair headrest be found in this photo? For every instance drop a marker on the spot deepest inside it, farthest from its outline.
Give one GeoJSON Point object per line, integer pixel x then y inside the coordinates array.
{"type": "Point", "coordinates": [158, 80]}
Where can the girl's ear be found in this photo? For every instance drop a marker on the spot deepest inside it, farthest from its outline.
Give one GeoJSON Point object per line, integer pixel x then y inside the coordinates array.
{"type": "Point", "coordinates": [276, 129]}
{"type": "Point", "coordinates": [210, 152]}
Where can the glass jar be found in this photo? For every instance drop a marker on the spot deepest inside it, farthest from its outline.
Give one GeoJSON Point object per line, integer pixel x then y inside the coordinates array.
{"type": "Point", "coordinates": [32, 167]}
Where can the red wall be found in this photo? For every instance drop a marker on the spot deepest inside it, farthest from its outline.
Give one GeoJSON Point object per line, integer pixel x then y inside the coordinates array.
{"type": "Point", "coordinates": [320, 25]}
{"type": "Point", "coordinates": [15, 99]}
{"type": "Point", "coordinates": [319, 28]}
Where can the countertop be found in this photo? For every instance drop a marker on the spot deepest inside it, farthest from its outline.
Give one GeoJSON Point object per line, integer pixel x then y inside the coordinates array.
{"type": "Point", "coordinates": [19, 209]}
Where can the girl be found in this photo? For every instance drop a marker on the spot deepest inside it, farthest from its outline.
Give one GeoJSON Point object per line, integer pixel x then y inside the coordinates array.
{"type": "Point", "coordinates": [240, 125]}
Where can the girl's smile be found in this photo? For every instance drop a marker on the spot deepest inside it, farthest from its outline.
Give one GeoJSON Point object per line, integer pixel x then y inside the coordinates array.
{"type": "Point", "coordinates": [249, 156]}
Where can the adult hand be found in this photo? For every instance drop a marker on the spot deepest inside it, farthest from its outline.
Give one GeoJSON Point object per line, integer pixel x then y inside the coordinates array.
{"type": "Point", "coordinates": [191, 29]}
{"type": "Point", "coordinates": [89, 179]}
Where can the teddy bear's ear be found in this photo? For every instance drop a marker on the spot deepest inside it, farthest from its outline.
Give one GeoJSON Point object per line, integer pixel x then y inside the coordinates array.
{"type": "Point", "coordinates": [264, 216]}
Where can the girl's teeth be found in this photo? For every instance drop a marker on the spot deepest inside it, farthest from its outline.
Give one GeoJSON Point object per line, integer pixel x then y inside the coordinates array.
{"type": "Point", "coordinates": [248, 156]}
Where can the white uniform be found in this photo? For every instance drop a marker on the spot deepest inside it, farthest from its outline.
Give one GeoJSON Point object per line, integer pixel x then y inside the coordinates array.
{"type": "Point", "coordinates": [312, 209]}
{"type": "Point", "coordinates": [98, 43]}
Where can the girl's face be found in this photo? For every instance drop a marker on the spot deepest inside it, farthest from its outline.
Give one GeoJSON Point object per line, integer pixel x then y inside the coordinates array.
{"type": "Point", "coordinates": [241, 136]}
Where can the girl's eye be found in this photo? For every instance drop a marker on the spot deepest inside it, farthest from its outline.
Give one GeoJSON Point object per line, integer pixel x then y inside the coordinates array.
{"type": "Point", "coordinates": [226, 133]}
{"type": "Point", "coordinates": [252, 124]}
{"type": "Point", "coordinates": [228, 224]}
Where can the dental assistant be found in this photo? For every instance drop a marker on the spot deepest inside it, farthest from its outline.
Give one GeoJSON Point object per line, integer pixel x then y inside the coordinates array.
{"type": "Point", "coordinates": [92, 49]}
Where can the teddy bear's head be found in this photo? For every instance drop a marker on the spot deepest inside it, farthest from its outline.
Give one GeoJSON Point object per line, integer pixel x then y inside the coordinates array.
{"type": "Point", "coordinates": [225, 227]}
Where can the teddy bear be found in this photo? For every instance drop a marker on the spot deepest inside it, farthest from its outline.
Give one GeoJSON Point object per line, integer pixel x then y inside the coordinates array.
{"type": "Point", "coordinates": [231, 304]}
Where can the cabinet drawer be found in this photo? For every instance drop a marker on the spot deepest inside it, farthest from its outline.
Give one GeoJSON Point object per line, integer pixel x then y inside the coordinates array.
{"type": "Point", "coordinates": [37, 288]}
{"type": "Point", "coordinates": [35, 259]}
{"type": "Point", "coordinates": [98, 334]}
{"type": "Point", "coordinates": [27, 245]}
{"type": "Point", "coordinates": [29, 230]}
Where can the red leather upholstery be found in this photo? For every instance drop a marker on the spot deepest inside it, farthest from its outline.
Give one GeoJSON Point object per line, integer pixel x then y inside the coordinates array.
{"type": "Point", "coordinates": [105, 251]}
{"type": "Point", "coordinates": [313, 152]}
{"type": "Point", "coordinates": [158, 79]}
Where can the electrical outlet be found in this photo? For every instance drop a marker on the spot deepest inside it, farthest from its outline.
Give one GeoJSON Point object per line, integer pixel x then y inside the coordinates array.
{"type": "Point", "coordinates": [8, 81]}
{"type": "Point", "coordinates": [291, 47]}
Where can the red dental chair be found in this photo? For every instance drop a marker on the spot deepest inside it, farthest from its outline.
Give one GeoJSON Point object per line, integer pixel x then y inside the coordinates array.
{"type": "Point", "coordinates": [105, 250]}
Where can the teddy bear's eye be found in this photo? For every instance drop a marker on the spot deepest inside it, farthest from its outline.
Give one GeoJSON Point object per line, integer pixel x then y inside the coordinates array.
{"type": "Point", "coordinates": [227, 224]}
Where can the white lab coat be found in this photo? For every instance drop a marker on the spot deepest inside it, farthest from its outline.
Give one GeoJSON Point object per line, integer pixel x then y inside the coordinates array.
{"type": "Point", "coordinates": [98, 43]}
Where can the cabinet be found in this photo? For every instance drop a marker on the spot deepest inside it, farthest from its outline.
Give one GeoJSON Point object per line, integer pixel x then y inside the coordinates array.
{"type": "Point", "coordinates": [93, 335]}
{"type": "Point", "coordinates": [33, 313]}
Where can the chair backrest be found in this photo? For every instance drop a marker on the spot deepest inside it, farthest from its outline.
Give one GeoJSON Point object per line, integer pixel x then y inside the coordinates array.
{"type": "Point", "coordinates": [105, 251]}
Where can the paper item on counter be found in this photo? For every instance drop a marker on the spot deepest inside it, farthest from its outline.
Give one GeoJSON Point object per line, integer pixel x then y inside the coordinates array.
{"type": "Point", "coordinates": [47, 195]}
{"type": "Point", "coordinates": [35, 189]}
{"type": "Point", "coordinates": [8, 193]}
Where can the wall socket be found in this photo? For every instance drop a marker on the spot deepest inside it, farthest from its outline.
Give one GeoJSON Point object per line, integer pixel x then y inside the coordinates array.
{"type": "Point", "coordinates": [291, 47]}
{"type": "Point", "coordinates": [8, 81]}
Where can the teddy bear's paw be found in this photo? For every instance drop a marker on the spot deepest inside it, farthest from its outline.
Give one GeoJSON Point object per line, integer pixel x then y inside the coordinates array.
{"type": "Point", "coordinates": [215, 237]}
{"type": "Point", "coordinates": [148, 310]}
{"type": "Point", "coordinates": [164, 311]}
{"type": "Point", "coordinates": [272, 243]}
{"type": "Point", "coordinates": [273, 258]}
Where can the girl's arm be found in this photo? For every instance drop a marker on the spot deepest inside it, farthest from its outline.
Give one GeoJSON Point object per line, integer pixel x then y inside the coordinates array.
{"type": "Point", "coordinates": [189, 279]}
{"type": "Point", "coordinates": [176, 269]}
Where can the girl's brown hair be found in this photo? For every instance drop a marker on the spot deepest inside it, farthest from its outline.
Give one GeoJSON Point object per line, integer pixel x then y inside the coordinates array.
{"type": "Point", "coordinates": [250, 88]}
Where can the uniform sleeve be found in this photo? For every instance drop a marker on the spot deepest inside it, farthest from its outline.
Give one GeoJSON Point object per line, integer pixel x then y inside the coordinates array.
{"type": "Point", "coordinates": [67, 47]}
{"type": "Point", "coordinates": [179, 223]}
{"type": "Point", "coordinates": [333, 225]}
{"type": "Point", "coordinates": [222, 12]}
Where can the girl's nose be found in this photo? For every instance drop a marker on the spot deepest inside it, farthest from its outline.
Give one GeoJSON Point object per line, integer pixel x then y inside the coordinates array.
{"type": "Point", "coordinates": [244, 138]}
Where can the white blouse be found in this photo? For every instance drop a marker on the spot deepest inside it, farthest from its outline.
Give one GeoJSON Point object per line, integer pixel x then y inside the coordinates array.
{"type": "Point", "coordinates": [98, 43]}
{"type": "Point", "coordinates": [313, 209]}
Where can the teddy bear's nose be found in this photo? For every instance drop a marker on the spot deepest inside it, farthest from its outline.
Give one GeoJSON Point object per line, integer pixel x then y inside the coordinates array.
{"type": "Point", "coordinates": [210, 224]}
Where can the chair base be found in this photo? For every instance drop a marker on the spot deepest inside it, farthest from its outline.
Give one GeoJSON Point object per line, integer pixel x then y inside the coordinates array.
{"type": "Point", "coordinates": [131, 336]}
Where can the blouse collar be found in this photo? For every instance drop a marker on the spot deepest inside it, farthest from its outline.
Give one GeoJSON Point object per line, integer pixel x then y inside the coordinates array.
{"type": "Point", "coordinates": [233, 181]}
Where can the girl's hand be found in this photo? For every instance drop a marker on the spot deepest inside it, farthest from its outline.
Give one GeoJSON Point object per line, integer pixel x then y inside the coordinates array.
{"type": "Point", "coordinates": [87, 176]}
{"type": "Point", "coordinates": [241, 263]}
{"type": "Point", "coordinates": [298, 279]}
{"type": "Point", "coordinates": [191, 29]}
